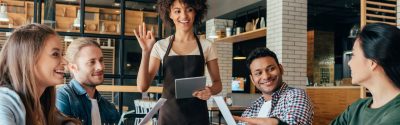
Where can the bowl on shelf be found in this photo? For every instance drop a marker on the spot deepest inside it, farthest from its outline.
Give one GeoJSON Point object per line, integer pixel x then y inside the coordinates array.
{"type": "Point", "coordinates": [91, 27]}
{"type": "Point", "coordinates": [111, 28]}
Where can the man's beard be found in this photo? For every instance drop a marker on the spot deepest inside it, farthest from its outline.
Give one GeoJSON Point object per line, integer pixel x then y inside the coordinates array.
{"type": "Point", "coordinates": [92, 85]}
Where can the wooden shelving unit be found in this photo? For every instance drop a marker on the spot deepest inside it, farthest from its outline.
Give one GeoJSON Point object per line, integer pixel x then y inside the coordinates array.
{"type": "Point", "coordinates": [262, 32]}
{"type": "Point", "coordinates": [97, 20]}
{"type": "Point", "coordinates": [16, 11]}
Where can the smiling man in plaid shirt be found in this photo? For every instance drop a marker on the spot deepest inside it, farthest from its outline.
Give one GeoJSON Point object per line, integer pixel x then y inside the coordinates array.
{"type": "Point", "coordinates": [279, 104]}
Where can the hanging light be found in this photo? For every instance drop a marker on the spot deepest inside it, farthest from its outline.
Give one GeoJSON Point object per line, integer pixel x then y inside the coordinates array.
{"type": "Point", "coordinates": [77, 21]}
{"type": "Point", "coordinates": [239, 58]}
{"type": "Point", "coordinates": [238, 54]}
{"type": "Point", "coordinates": [3, 12]}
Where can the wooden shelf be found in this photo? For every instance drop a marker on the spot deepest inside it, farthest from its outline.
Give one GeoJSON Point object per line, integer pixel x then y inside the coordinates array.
{"type": "Point", "coordinates": [244, 36]}
{"type": "Point", "coordinates": [112, 33]}
{"type": "Point", "coordinates": [112, 21]}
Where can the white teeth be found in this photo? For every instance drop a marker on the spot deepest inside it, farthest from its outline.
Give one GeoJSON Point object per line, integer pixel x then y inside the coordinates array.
{"type": "Point", "coordinates": [267, 82]}
{"type": "Point", "coordinates": [59, 71]}
{"type": "Point", "coordinates": [184, 21]}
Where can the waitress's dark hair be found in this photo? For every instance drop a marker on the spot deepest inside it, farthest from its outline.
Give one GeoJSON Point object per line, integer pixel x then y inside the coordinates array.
{"type": "Point", "coordinates": [380, 42]}
{"type": "Point", "coordinates": [164, 9]}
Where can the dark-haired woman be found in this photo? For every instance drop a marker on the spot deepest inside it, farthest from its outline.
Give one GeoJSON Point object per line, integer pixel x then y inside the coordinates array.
{"type": "Point", "coordinates": [182, 55]}
{"type": "Point", "coordinates": [375, 64]}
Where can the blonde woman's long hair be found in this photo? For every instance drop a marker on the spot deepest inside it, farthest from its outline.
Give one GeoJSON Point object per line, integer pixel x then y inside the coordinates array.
{"type": "Point", "coordinates": [17, 61]}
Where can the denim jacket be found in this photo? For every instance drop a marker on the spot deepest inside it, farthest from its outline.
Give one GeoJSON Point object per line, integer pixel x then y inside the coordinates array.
{"type": "Point", "coordinates": [73, 101]}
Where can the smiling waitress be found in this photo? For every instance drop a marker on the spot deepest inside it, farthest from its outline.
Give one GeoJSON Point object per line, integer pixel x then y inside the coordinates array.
{"type": "Point", "coordinates": [182, 55]}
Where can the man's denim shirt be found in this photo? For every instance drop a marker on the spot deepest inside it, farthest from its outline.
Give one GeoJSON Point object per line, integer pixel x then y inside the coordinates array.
{"type": "Point", "coordinates": [73, 101]}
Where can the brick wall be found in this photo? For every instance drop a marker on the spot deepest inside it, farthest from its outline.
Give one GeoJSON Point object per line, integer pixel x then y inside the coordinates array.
{"type": "Point", "coordinates": [287, 37]}
{"type": "Point", "coordinates": [225, 68]}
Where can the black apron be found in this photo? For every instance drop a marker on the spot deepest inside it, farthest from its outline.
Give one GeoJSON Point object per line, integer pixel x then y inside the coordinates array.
{"type": "Point", "coordinates": [190, 111]}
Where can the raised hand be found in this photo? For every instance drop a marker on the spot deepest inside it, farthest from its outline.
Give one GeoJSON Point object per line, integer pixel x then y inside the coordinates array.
{"type": "Point", "coordinates": [145, 38]}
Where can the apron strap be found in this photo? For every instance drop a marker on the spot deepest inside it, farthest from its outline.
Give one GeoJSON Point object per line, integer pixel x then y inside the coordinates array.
{"type": "Point", "coordinates": [200, 48]}
{"type": "Point", "coordinates": [171, 39]}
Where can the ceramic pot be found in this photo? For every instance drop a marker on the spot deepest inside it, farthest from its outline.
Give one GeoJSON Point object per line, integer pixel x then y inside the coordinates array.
{"type": "Point", "coordinates": [249, 26]}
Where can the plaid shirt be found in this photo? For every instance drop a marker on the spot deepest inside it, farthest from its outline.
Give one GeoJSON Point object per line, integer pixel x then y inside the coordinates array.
{"type": "Point", "coordinates": [290, 105]}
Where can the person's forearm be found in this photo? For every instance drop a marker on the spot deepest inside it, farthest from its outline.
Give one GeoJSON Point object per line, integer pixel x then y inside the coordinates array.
{"type": "Point", "coordinates": [259, 121]}
{"type": "Point", "coordinates": [273, 121]}
{"type": "Point", "coordinates": [268, 121]}
{"type": "Point", "coordinates": [143, 78]}
{"type": "Point", "coordinates": [216, 87]}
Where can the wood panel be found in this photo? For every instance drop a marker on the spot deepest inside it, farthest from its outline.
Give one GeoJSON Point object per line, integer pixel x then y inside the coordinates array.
{"type": "Point", "coordinates": [329, 102]}
{"type": "Point", "coordinates": [310, 55]}
{"type": "Point", "coordinates": [375, 11]}
{"type": "Point", "coordinates": [132, 21]}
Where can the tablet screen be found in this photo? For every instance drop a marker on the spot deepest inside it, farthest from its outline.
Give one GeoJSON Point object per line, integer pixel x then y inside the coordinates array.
{"type": "Point", "coordinates": [185, 87]}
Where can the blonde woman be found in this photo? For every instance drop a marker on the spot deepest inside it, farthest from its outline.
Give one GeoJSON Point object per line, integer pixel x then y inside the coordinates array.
{"type": "Point", "coordinates": [31, 64]}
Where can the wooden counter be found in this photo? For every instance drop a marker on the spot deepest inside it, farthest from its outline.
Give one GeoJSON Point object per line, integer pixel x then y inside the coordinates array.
{"type": "Point", "coordinates": [115, 88]}
{"type": "Point", "coordinates": [231, 108]}
{"type": "Point", "coordinates": [329, 102]}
